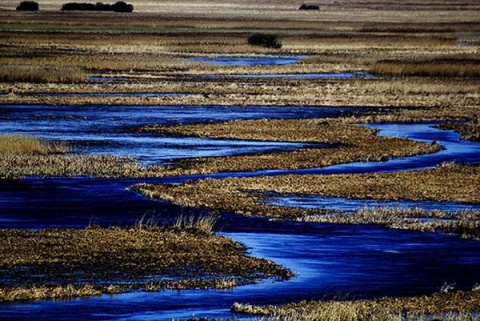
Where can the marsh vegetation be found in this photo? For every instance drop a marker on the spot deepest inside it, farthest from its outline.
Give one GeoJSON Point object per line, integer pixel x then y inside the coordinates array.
{"type": "Point", "coordinates": [423, 58]}
{"type": "Point", "coordinates": [66, 263]}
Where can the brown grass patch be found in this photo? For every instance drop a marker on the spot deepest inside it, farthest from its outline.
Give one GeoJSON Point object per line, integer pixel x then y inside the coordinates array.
{"type": "Point", "coordinates": [432, 68]}
{"type": "Point", "coordinates": [458, 305]}
{"type": "Point", "coordinates": [25, 145]}
{"type": "Point", "coordinates": [64, 263]}
{"type": "Point", "coordinates": [350, 143]}
{"type": "Point", "coordinates": [469, 131]}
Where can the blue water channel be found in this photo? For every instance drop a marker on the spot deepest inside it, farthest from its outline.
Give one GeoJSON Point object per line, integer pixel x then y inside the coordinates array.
{"type": "Point", "coordinates": [249, 61]}
{"type": "Point", "coordinates": [345, 261]}
{"type": "Point", "coordinates": [108, 129]}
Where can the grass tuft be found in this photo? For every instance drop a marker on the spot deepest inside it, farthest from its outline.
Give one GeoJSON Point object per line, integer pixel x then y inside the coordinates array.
{"type": "Point", "coordinates": [26, 145]}
{"type": "Point", "coordinates": [203, 223]}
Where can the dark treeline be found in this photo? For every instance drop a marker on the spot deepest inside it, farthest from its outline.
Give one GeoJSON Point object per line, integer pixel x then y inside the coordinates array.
{"type": "Point", "coordinates": [119, 6]}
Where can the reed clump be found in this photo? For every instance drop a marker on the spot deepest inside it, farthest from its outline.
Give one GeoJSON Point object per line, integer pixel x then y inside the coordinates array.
{"type": "Point", "coordinates": [27, 145]}
{"type": "Point", "coordinates": [465, 223]}
{"type": "Point", "coordinates": [66, 263]}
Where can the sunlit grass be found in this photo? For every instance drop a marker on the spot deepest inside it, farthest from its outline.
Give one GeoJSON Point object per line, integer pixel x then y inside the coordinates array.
{"type": "Point", "coordinates": [27, 145]}
{"type": "Point", "coordinates": [456, 305]}
{"type": "Point", "coordinates": [430, 68]}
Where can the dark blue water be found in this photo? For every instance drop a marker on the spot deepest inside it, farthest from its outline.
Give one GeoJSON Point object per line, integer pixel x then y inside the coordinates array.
{"type": "Point", "coordinates": [354, 204]}
{"type": "Point", "coordinates": [360, 261]}
{"type": "Point", "coordinates": [108, 129]}
{"type": "Point", "coordinates": [249, 61]}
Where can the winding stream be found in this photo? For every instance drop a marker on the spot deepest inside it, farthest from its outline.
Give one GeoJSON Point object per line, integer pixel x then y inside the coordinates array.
{"type": "Point", "coordinates": [349, 261]}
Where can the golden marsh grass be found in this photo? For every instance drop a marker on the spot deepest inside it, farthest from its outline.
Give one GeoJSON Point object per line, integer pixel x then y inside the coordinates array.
{"type": "Point", "coordinates": [432, 68]}
{"type": "Point", "coordinates": [349, 143]}
{"type": "Point", "coordinates": [457, 305]}
{"type": "Point", "coordinates": [26, 145]}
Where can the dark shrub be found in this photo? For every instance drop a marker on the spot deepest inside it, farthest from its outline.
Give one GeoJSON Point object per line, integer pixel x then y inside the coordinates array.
{"type": "Point", "coordinates": [121, 6]}
{"type": "Point", "coordinates": [28, 6]}
{"type": "Point", "coordinates": [75, 6]}
{"type": "Point", "coordinates": [309, 7]}
{"type": "Point", "coordinates": [103, 7]}
{"type": "Point", "coordinates": [264, 40]}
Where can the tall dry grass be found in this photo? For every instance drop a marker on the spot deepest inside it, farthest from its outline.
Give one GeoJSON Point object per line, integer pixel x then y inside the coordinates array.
{"type": "Point", "coordinates": [40, 74]}
{"type": "Point", "coordinates": [430, 68]}
{"type": "Point", "coordinates": [25, 145]}
{"type": "Point", "coordinates": [456, 305]}
{"type": "Point", "coordinates": [202, 223]}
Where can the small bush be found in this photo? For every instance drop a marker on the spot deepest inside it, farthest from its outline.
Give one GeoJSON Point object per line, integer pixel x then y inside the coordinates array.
{"type": "Point", "coordinates": [309, 7]}
{"type": "Point", "coordinates": [121, 6]}
{"type": "Point", "coordinates": [27, 6]}
{"type": "Point", "coordinates": [264, 40]}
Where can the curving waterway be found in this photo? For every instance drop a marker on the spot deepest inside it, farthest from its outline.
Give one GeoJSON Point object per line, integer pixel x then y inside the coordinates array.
{"type": "Point", "coordinates": [346, 261]}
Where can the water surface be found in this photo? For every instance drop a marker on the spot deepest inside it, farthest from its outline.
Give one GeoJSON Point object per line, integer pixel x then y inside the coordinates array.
{"type": "Point", "coordinates": [249, 61]}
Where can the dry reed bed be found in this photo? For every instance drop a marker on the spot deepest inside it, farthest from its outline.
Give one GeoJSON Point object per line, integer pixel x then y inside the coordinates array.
{"type": "Point", "coordinates": [245, 196]}
{"type": "Point", "coordinates": [14, 166]}
{"type": "Point", "coordinates": [446, 95]}
{"type": "Point", "coordinates": [40, 74]}
{"type": "Point", "coordinates": [458, 305]}
{"type": "Point", "coordinates": [439, 67]}
{"type": "Point", "coordinates": [27, 145]}
{"type": "Point", "coordinates": [65, 263]}
{"type": "Point", "coordinates": [349, 143]}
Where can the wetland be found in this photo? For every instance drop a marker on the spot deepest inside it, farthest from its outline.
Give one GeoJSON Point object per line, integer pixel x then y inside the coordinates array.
{"type": "Point", "coordinates": [157, 166]}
